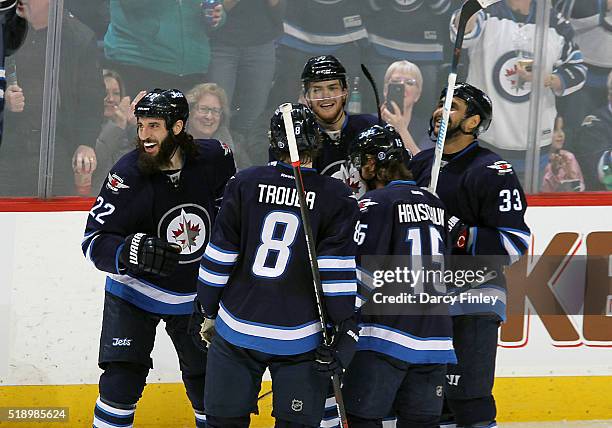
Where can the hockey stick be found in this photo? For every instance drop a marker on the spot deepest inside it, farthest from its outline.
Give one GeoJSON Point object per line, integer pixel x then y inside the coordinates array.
{"type": "Point", "coordinates": [469, 8]}
{"type": "Point", "coordinates": [312, 255]}
{"type": "Point", "coordinates": [368, 76]}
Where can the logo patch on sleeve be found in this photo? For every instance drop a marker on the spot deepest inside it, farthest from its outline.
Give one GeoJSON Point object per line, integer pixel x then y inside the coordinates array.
{"type": "Point", "coordinates": [115, 183]}
{"type": "Point", "coordinates": [226, 148]}
{"type": "Point", "coordinates": [364, 204]}
{"type": "Point", "coordinates": [502, 167]}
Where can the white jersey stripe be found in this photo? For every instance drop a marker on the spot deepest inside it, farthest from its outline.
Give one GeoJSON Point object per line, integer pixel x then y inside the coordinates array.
{"type": "Point", "coordinates": [219, 255]}
{"type": "Point", "coordinates": [423, 344]}
{"type": "Point", "coordinates": [268, 332]}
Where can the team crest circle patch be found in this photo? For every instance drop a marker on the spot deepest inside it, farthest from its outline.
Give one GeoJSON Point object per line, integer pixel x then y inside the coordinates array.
{"type": "Point", "coordinates": [187, 225]}
{"type": "Point", "coordinates": [507, 81]}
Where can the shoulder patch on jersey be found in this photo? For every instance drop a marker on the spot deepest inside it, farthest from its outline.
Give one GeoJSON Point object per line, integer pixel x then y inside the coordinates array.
{"type": "Point", "coordinates": [589, 120]}
{"type": "Point", "coordinates": [226, 148]}
{"type": "Point", "coordinates": [115, 183]}
{"type": "Point", "coordinates": [502, 167]}
{"type": "Point", "coordinates": [364, 204]}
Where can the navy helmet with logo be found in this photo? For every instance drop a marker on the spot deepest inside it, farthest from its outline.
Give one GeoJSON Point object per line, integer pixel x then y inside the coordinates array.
{"type": "Point", "coordinates": [169, 104]}
{"type": "Point", "coordinates": [305, 127]}
{"type": "Point", "coordinates": [324, 67]}
{"type": "Point", "coordinates": [382, 143]}
{"type": "Point", "coordinates": [478, 103]}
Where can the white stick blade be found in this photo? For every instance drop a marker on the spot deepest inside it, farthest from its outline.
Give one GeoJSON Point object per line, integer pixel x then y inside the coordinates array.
{"type": "Point", "coordinates": [289, 131]}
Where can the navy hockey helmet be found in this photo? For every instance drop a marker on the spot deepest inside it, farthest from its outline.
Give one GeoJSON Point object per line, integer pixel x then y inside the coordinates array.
{"type": "Point", "coordinates": [324, 67]}
{"type": "Point", "coordinates": [169, 104]}
{"type": "Point", "coordinates": [477, 103]}
{"type": "Point", "coordinates": [7, 6]}
{"type": "Point", "coordinates": [383, 143]}
{"type": "Point", "coordinates": [305, 127]}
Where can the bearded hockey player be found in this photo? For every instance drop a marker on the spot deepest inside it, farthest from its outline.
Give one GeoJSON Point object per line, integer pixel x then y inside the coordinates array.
{"type": "Point", "coordinates": [487, 206]}
{"type": "Point", "coordinates": [148, 230]}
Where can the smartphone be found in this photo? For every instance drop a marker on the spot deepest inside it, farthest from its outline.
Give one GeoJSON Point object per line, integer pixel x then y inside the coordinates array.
{"type": "Point", "coordinates": [395, 92]}
{"type": "Point", "coordinates": [11, 71]}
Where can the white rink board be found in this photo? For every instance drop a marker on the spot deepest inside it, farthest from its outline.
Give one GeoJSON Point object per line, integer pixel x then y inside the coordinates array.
{"type": "Point", "coordinates": [56, 306]}
{"type": "Point", "coordinates": [51, 303]}
{"type": "Point", "coordinates": [539, 357]}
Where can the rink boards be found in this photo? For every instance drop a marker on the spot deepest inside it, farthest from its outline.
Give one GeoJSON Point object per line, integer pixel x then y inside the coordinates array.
{"type": "Point", "coordinates": [550, 367]}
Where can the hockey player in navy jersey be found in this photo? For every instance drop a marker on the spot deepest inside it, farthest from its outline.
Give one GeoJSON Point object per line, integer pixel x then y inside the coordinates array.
{"type": "Point", "coordinates": [325, 91]}
{"type": "Point", "coordinates": [255, 281]}
{"type": "Point", "coordinates": [487, 206]}
{"type": "Point", "coordinates": [148, 230]}
{"type": "Point", "coordinates": [403, 349]}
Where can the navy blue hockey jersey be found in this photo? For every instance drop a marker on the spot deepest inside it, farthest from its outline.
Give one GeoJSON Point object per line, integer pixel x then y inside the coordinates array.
{"type": "Point", "coordinates": [182, 212]}
{"type": "Point", "coordinates": [481, 189]}
{"type": "Point", "coordinates": [255, 274]}
{"type": "Point", "coordinates": [322, 27]}
{"type": "Point", "coordinates": [332, 159]}
{"type": "Point", "coordinates": [422, 40]}
{"type": "Point", "coordinates": [401, 219]}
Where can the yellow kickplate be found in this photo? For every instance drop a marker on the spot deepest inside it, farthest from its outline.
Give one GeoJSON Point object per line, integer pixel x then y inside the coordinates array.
{"type": "Point", "coordinates": [166, 405]}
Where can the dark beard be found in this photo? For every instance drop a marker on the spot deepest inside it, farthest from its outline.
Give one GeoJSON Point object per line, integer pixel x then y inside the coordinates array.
{"type": "Point", "coordinates": [451, 129]}
{"type": "Point", "coordinates": [152, 164]}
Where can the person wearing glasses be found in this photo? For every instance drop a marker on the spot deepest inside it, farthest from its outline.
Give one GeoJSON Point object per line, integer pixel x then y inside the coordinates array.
{"type": "Point", "coordinates": [209, 108]}
{"type": "Point", "coordinates": [403, 85]}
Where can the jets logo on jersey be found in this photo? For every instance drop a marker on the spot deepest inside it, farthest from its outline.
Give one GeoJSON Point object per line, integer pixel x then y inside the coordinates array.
{"type": "Point", "coordinates": [115, 183]}
{"type": "Point", "coordinates": [349, 176]}
{"type": "Point", "coordinates": [187, 225]}
{"type": "Point", "coordinates": [502, 167]}
{"type": "Point", "coordinates": [364, 204]}
{"type": "Point", "coordinates": [226, 148]}
{"type": "Point", "coordinates": [507, 81]}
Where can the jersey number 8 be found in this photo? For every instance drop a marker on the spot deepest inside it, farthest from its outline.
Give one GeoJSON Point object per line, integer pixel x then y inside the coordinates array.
{"type": "Point", "coordinates": [275, 243]}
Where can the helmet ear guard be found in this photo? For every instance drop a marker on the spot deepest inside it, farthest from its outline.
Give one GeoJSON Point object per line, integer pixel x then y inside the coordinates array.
{"type": "Point", "coordinates": [168, 104]}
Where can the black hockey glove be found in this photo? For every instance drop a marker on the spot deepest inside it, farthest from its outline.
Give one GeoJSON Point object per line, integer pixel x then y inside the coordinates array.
{"type": "Point", "coordinates": [201, 327]}
{"type": "Point", "coordinates": [144, 253]}
{"type": "Point", "coordinates": [333, 359]}
{"type": "Point", "coordinates": [459, 233]}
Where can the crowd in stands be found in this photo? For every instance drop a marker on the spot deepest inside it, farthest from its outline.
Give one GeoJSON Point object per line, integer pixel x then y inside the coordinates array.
{"type": "Point", "coordinates": [238, 60]}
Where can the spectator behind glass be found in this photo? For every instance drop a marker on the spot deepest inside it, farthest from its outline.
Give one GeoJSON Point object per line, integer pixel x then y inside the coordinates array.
{"type": "Point", "coordinates": [159, 43]}
{"type": "Point", "coordinates": [209, 113]}
{"type": "Point", "coordinates": [595, 143]}
{"type": "Point", "coordinates": [592, 20]}
{"type": "Point", "coordinates": [79, 112]}
{"type": "Point", "coordinates": [562, 174]}
{"type": "Point", "coordinates": [14, 29]}
{"type": "Point", "coordinates": [413, 130]}
{"type": "Point", "coordinates": [94, 14]}
{"type": "Point", "coordinates": [500, 41]}
{"type": "Point", "coordinates": [118, 130]}
{"type": "Point", "coordinates": [315, 27]}
{"type": "Point", "coordinates": [242, 63]}
{"type": "Point", "coordinates": [422, 42]}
